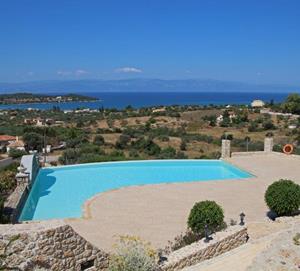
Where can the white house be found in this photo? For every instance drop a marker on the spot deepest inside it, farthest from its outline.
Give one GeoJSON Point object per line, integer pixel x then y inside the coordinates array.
{"type": "Point", "coordinates": [5, 140]}
{"type": "Point", "coordinates": [219, 119]}
{"type": "Point", "coordinates": [257, 103]}
{"type": "Point", "coordinates": [18, 144]}
{"type": "Point", "coordinates": [292, 126]}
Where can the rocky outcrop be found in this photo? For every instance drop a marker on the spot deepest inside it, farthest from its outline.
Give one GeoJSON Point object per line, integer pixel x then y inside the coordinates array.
{"type": "Point", "coordinates": [283, 253]}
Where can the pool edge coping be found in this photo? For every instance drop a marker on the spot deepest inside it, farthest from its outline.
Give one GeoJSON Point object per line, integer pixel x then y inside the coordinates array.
{"type": "Point", "coordinates": [85, 207]}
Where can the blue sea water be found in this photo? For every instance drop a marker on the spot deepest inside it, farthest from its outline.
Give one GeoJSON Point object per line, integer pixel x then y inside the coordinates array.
{"type": "Point", "coordinates": [141, 99]}
{"type": "Point", "coordinates": [60, 192]}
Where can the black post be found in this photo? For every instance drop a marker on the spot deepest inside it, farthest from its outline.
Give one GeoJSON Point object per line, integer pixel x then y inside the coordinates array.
{"type": "Point", "coordinates": [242, 217]}
{"type": "Point", "coordinates": [206, 232]}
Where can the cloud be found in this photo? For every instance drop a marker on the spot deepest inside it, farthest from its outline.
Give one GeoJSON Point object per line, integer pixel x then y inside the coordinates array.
{"type": "Point", "coordinates": [78, 72]}
{"type": "Point", "coordinates": [128, 70]}
{"type": "Point", "coordinates": [30, 73]}
{"type": "Point", "coordinates": [259, 74]}
{"type": "Point", "coordinates": [81, 72]}
{"type": "Point", "coordinates": [63, 73]}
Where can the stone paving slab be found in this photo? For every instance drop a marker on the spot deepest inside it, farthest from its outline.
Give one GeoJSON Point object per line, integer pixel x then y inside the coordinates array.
{"type": "Point", "coordinates": [158, 213]}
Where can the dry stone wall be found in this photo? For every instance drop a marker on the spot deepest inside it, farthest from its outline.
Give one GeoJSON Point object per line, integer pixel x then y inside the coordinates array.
{"type": "Point", "coordinates": [197, 252]}
{"type": "Point", "coordinates": [51, 245]}
{"type": "Point", "coordinates": [54, 245]}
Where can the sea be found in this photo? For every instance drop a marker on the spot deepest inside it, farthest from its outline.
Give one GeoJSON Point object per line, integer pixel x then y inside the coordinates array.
{"type": "Point", "coordinates": [120, 100]}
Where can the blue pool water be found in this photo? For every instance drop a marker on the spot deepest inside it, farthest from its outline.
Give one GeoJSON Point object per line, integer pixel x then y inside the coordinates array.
{"type": "Point", "coordinates": [60, 192]}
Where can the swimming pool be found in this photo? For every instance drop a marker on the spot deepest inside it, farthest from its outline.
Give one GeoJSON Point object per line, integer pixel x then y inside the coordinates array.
{"type": "Point", "coordinates": [60, 192]}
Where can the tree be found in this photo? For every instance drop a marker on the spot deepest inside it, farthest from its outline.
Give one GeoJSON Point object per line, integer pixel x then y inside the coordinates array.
{"type": "Point", "coordinates": [15, 153]}
{"type": "Point", "coordinates": [123, 141]}
{"type": "Point", "coordinates": [268, 125]}
{"type": "Point", "coordinates": [99, 140]}
{"type": "Point", "coordinates": [69, 156]}
{"type": "Point", "coordinates": [212, 119]}
{"type": "Point", "coordinates": [183, 145]}
{"type": "Point", "coordinates": [33, 141]}
{"type": "Point", "coordinates": [292, 104]}
{"type": "Point", "coordinates": [147, 145]}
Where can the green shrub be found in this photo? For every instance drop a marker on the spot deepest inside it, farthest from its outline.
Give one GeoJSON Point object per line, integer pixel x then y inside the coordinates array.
{"type": "Point", "coordinates": [132, 254]}
{"type": "Point", "coordinates": [283, 197]}
{"type": "Point", "coordinates": [14, 153]}
{"type": "Point", "coordinates": [253, 127]}
{"type": "Point", "coordinates": [69, 156]}
{"type": "Point", "coordinates": [123, 141]}
{"type": "Point", "coordinates": [7, 182]}
{"type": "Point", "coordinates": [206, 213]}
{"type": "Point", "coordinates": [164, 138]}
{"type": "Point", "coordinates": [182, 240]}
{"type": "Point", "coordinates": [99, 140]}
{"type": "Point", "coordinates": [89, 158]}
{"type": "Point", "coordinates": [167, 153]}
{"type": "Point", "coordinates": [296, 239]}
{"type": "Point", "coordinates": [33, 141]}
{"type": "Point", "coordinates": [183, 145]}
{"type": "Point", "coordinates": [268, 125]}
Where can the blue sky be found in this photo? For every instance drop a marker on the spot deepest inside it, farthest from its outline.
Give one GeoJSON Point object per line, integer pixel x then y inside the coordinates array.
{"type": "Point", "coordinates": [251, 41]}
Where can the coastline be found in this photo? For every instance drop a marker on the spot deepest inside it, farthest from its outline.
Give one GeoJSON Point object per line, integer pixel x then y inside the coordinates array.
{"type": "Point", "coordinates": [120, 100]}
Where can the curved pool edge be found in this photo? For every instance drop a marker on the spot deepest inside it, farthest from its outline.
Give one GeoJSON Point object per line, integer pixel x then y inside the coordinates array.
{"type": "Point", "coordinates": [85, 212]}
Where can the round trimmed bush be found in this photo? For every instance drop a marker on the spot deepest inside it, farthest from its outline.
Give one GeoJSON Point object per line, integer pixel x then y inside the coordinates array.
{"type": "Point", "coordinates": [206, 213]}
{"type": "Point", "coordinates": [283, 197]}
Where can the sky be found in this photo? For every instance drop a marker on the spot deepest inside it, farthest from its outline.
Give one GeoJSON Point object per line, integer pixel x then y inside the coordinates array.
{"type": "Point", "coordinates": [256, 41]}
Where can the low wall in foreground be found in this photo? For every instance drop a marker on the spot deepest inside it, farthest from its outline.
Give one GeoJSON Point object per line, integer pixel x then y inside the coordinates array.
{"type": "Point", "coordinates": [197, 252]}
{"type": "Point", "coordinates": [52, 245]}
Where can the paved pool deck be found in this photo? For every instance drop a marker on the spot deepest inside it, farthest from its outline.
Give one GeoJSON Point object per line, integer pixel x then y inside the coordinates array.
{"type": "Point", "coordinates": [157, 213]}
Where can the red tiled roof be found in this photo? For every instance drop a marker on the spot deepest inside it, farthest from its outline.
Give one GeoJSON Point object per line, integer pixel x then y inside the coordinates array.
{"type": "Point", "coordinates": [7, 138]}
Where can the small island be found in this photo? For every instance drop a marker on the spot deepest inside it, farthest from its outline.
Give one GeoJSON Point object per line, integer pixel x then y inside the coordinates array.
{"type": "Point", "coordinates": [21, 98]}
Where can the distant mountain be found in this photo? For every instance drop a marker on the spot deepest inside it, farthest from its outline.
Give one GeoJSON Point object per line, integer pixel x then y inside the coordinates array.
{"type": "Point", "coordinates": [142, 85]}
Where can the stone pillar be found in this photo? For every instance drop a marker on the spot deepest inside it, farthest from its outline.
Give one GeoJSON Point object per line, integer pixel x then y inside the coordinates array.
{"type": "Point", "coordinates": [225, 148]}
{"type": "Point", "coordinates": [268, 144]}
{"type": "Point", "coordinates": [22, 177]}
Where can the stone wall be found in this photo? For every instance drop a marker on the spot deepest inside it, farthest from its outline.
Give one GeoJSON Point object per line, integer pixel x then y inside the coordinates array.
{"type": "Point", "coordinates": [15, 202]}
{"type": "Point", "coordinates": [268, 144]}
{"type": "Point", "coordinates": [249, 153]}
{"type": "Point", "coordinates": [197, 252]}
{"type": "Point", "coordinates": [52, 245]}
{"type": "Point", "coordinates": [13, 205]}
{"type": "Point", "coordinates": [225, 149]}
